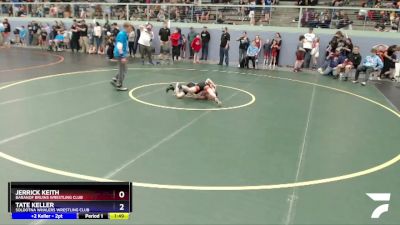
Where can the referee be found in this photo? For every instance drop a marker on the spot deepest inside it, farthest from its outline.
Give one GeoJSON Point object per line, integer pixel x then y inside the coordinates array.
{"type": "Point", "coordinates": [120, 53]}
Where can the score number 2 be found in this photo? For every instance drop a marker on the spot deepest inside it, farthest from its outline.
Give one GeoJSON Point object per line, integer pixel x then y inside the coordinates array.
{"type": "Point", "coordinates": [121, 206]}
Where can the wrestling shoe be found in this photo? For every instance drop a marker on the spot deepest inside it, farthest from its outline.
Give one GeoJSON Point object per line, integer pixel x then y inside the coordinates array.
{"type": "Point", "coordinates": [169, 88]}
{"type": "Point", "coordinates": [121, 88]}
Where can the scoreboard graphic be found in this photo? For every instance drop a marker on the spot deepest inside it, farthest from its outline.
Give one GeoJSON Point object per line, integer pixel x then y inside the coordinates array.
{"type": "Point", "coordinates": [70, 200]}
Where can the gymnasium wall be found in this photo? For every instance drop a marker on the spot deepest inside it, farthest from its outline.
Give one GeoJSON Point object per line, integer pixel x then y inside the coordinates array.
{"type": "Point", "coordinates": [364, 39]}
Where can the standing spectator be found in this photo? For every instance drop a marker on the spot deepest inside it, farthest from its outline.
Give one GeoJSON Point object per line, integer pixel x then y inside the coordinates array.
{"type": "Point", "coordinates": [243, 45]}
{"type": "Point", "coordinates": [43, 38]}
{"type": "Point", "coordinates": [224, 47]}
{"type": "Point", "coordinates": [1, 33]}
{"type": "Point", "coordinates": [196, 46]}
{"type": "Point", "coordinates": [146, 37]}
{"type": "Point", "coordinates": [205, 39]}
{"type": "Point", "coordinates": [252, 12]}
{"type": "Point", "coordinates": [114, 29]}
{"type": "Point", "coordinates": [176, 51]}
{"type": "Point", "coordinates": [30, 34]}
{"type": "Point", "coordinates": [136, 45]}
{"type": "Point", "coordinates": [34, 32]}
{"type": "Point", "coordinates": [120, 53]}
{"type": "Point", "coordinates": [183, 43]}
{"type": "Point", "coordinates": [267, 10]}
{"type": "Point", "coordinates": [131, 42]}
{"type": "Point", "coordinates": [164, 34]}
{"type": "Point", "coordinates": [300, 53]}
{"type": "Point", "coordinates": [97, 35]}
{"type": "Point", "coordinates": [22, 35]}
{"type": "Point", "coordinates": [309, 39]}
{"type": "Point", "coordinates": [251, 54]}
{"type": "Point", "coordinates": [274, 54]}
{"type": "Point", "coordinates": [75, 37]}
{"type": "Point", "coordinates": [191, 35]}
{"type": "Point", "coordinates": [267, 52]}
{"type": "Point", "coordinates": [6, 32]}
{"type": "Point", "coordinates": [315, 53]}
{"type": "Point", "coordinates": [370, 63]}
{"type": "Point", "coordinates": [278, 39]}
{"type": "Point", "coordinates": [83, 36]}
{"type": "Point", "coordinates": [258, 45]}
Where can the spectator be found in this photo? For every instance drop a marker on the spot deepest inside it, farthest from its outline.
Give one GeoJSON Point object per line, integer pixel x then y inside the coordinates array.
{"type": "Point", "coordinates": [370, 63]}
{"type": "Point", "coordinates": [6, 32]}
{"type": "Point", "coordinates": [43, 37]}
{"type": "Point", "coordinates": [243, 45]}
{"type": "Point", "coordinates": [252, 52]}
{"type": "Point", "coordinates": [389, 62]}
{"type": "Point", "coordinates": [274, 54]}
{"type": "Point", "coordinates": [278, 40]}
{"type": "Point", "coordinates": [176, 51]}
{"type": "Point", "coordinates": [131, 42]}
{"type": "Point", "coordinates": [333, 60]}
{"type": "Point", "coordinates": [205, 39]}
{"type": "Point", "coordinates": [353, 61]}
{"type": "Point", "coordinates": [146, 37]}
{"type": "Point", "coordinates": [1, 34]}
{"type": "Point", "coordinates": [163, 35]}
{"type": "Point", "coordinates": [191, 35]}
{"type": "Point", "coordinates": [75, 37]}
{"type": "Point", "coordinates": [22, 35]}
{"type": "Point", "coordinates": [258, 45]}
{"type": "Point", "coordinates": [183, 44]}
{"type": "Point", "coordinates": [267, 52]}
{"type": "Point", "coordinates": [267, 10]}
{"type": "Point", "coordinates": [196, 46]}
{"type": "Point", "coordinates": [224, 47]}
{"type": "Point", "coordinates": [309, 39]}
{"type": "Point", "coordinates": [252, 12]}
{"type": "Point", "coordinates": [300, 54]}
{"type": "Point", "coordinates": [97, 35]}
{"type": "Point", "coordinates": [315, 53]}
{"type": "Point", "coordinates": [83, 36]}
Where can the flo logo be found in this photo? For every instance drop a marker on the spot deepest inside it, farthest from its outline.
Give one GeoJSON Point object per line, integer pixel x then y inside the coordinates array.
{"type": "Point", "coordinates": [380, 197]}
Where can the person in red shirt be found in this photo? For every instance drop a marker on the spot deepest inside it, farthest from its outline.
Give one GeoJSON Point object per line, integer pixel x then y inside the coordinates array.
{"type": "Point", "coordinates": [175, 37]}
{"type": "Point", "coordinates": [196, 46]}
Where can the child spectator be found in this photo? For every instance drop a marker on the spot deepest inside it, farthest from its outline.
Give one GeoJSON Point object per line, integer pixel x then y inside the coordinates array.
{"type": "Point", "coordinates": [333, 60]}
{"type": "Point", "coordinates": [267, 52]}
{"type": "Point", "coordinates": [176, 51]}
{"type": "Point", "coordinates": [315, 53]}
{"type": "Point", "coordinates": [196, 46]}
{"type": "Point", "coordinates": [300, 54]}
{"type": "Point", "coordinates": [370, 63]}
{"type": "Point", "coordinates": [183, 46]}
{"type": "Point", "coordinates": [274, 53]}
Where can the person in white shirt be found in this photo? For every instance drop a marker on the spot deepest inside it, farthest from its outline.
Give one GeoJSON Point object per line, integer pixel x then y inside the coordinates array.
{"type": "Point", "coordinates": [97, 31]}
{"type": "Point", "coordinates": [145, 39]}
{"type": "Point", "coordinates": [307, 46]}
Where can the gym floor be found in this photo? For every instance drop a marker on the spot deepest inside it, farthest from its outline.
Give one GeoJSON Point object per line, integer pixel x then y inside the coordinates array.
{"type": "Point", "coordinates": [283, 149]}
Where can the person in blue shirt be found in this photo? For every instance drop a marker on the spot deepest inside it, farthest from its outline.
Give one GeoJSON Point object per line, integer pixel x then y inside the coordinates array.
{"type": "Point", "coordinates": [252, 52]}
{"type": "Point", "coordinates": [371, 63]}
{"type": "Point", "coordinates": [22, 35]}
{"type": "Point", "coordinates": [120, 54]}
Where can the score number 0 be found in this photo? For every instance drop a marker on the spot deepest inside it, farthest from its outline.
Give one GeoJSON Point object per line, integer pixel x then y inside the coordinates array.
{"type": "Point", "coordinates": [121, 194]}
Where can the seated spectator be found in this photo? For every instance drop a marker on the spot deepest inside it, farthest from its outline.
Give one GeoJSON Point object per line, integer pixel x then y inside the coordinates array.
{"type": "Point", "coordinates": [353, 61]}
{"type": "Point", "coordinates": [333, 60]}
{"type": "Point", "coordinates": [370, 63]}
